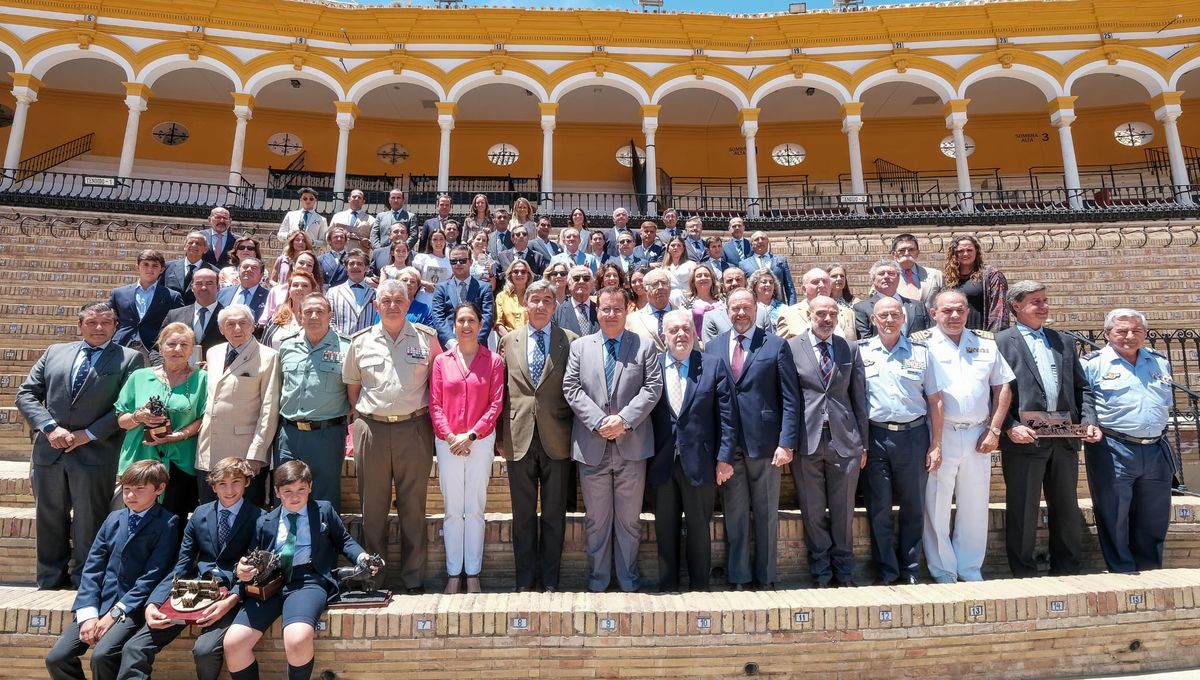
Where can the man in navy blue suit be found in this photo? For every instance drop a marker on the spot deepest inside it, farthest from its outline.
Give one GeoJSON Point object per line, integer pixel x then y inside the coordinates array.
{"type": "Point", "coordinates": [333, 261]}
{"type": "Point", "coordinates": [220, 238]}
{"type": "Point", "coordinates": [693, 427]}
{"type": "Point", "coordinates": [461, 287]}
{"type": "Point", "coordinates": [760, 257]}
{"type": "Point", "coordinates": [179, 272]}
{"type": "Point", "coordinates": [142, 306]}
{"type": "Point", "coordinates": [247, 292]}
{"type": "Point", "coordinates": [768, 407]}
{"type": "Point", "coordinates": [216, 537]}
{"type": "Point", "coordinates": [738, 246]}
{"type": "Point", "coordinates": [694, 239]}
{"type": "Point", "coordinates": [128, 559]}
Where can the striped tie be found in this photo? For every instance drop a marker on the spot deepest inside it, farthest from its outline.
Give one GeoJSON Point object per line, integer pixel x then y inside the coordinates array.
{"type": "Point", "coordinates": [826, 362]}
{"type": "Point", "coordinates": [610, 363]}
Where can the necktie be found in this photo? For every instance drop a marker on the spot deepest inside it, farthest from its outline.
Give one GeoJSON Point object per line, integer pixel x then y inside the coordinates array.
{"type": "Point", "coordinates": [187, 278]}
{"type": "Point", "coordinates": [134, 521]}
{"type": "Point", "coordinates": [223, 528]}
{"type": "Point", "coordinates": [581, 315]}
{"type": "Point", "coordinates": [610, 363]}
{"type": "Point", "coordinates": [521, 255]}
{"type": "Point", "coordinates": [826, 362]}
{"type": "Point", "coordinates": [660, 313]}
{"type": "Point", "coordinates": [288, 552]}
{"type": "Point", "coordinates": [908, 277]}
{"type": "Point", "coordinates": [741, 249]}
{"type": "Point", "coordinates": [353, 218]}
{"type": "Point", "coordinates": [218, 245]}
{"type": "Point", "coordinates": [84, 367]}
{"type": "Point", "coordinates": [245, 297]}
{"type": "Point", "coordinates": [539, 357]}
{"type": "Point", "coordinates": [230, 357]}
{"type": "Point", "coordinates": [304, 220]}
{"type": "Point", "coordinates": [201, 323]}
{"type": "Point", "coordinates": [1047, 370]}
{"type": "Point", "coordinates": [675, 387]}
{"type": "Point", "coordinates": [462, 291]}
{"type": "Point", "coordinates": [395, 215]}
{"type": "Point", "coordinates": [739, 357]}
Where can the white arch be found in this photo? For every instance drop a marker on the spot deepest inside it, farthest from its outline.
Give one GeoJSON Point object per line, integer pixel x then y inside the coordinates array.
{"type": "Point", "coordinates": [47, 59]}
{"type": "Point", "coordinates": [614, 80]}
{"type": "Point", "coordinates": [711, 83]}
{"type": "Point", "coordinates": [1187, 67]}
{"type": "Point", "coordinates": [373, 81]}
{"type": "Point", "coordinates": [255, 83]}
{"type": "Point", "coordinates": [823, 83]}
{"type": "Point", "coordinates": [158, 68]}
{"type": "Point", "coordinates": [943, 89]}
{"type": "Point", "coordinates": [1036, 77]}
{"type": "Point", "coordinates": [11, 52]}
{"type": "Point", "coordinates": [1146, 76]}
{"type": "Point", "coordinates": [507, 77]}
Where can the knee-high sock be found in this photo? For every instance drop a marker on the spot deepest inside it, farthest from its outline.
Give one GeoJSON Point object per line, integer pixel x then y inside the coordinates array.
{"type": "Point", "coordinates": [301, 672]}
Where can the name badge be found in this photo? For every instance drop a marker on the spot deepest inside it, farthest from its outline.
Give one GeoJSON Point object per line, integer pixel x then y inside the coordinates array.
{"type": "Point", "coordinates": [978, 350]}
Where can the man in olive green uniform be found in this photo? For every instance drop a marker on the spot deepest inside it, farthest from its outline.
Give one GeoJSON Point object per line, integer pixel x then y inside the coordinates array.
{"type": "Point", "coordinates": [312, 403]}
{"type": "Point", "coordinates": [386, 372]}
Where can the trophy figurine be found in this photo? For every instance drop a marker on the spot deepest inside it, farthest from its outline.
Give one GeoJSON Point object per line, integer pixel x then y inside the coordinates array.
{"type": "Point", "coordinates": [356, 585]}
{"type": "Point", "coordinates": [157, 408]}
{"type": "Point", "coordinates": [189, 598]}
{"type": "Point", "coordinates": [268, 580]}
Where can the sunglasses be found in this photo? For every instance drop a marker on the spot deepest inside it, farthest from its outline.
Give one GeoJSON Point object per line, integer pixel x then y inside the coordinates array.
{"type": "Point", "coordinates": [581, 278]}
{"type": "Point", "coordinates": [459, 260]}
{"type": "Point", "coordinates": [246, 248]}
{"type": "Point", "coordinates": [558, 273]}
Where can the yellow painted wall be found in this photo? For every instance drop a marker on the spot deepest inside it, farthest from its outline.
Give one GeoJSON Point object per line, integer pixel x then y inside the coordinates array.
{"type": "Point", "coordinates": [584, 152]}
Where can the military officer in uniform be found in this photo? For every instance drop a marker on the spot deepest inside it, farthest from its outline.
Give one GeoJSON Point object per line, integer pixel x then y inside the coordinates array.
{"type": "Point", "coordinates": [312, 403]}
{"type": "Point", "coordinates": [1130, 469]}
{"type": "Point", "coordinates": [904, 405]}
{"type": "Point", "coordinates": [974, 405]}
{"type": "Point", "coordinates": [386, 371]}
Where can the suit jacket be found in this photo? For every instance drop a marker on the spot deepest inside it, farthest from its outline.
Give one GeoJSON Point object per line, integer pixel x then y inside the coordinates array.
{"type": "Point", "coordinates": [652, 254]}
{"type": "Point", "coordinates": [185, 315]}
{"type": "Point", "coordinates": [610, 239]}
{"type": "Point", "coordinates": [637, 385]}
{"type": "Point", "coordinates": [793, 321]}
{"type": "Point", "coordinates": [329, 538]}
{"type": "Point", "coordinates": [446, 298]}
{"type": "Point", "coordinates": [716, 322]}
{"type": "Point", "coordinates": [703, 432]}
{"type": "Point", "coordinates": [201, 553]}
{"type": "Point", "coordinates": [767, 398]}
{"type": "Point", "coordinates": [381, 231]}
{"type": "Point", "coordinates": [46, 395]}
{"type": "Point", "coordinates": [542, 406]}
{"type": "Point", "coordinates": [1029, 394]}
{"type": "Point", "coordinates": [695, 254]}
{"type": "Point", "coordinates": [644, 323]}
{"type": "Point", "coordinates": [243, 405]}
{"type": "Point", "coordinates": [843, 403]}
{"type": "Point", "coordinates": [220, 260]}
{"type": "Point", "coordinates": [257, 302]}
{"type": "Point", "coordinates": [123, 567]}
{"type": "Point", "coordinates": [718, 265]}
{"type": "Point", "coordinates": [632, 262]}
{"type": "Point", "coordinates": [931, 280]}
{"type": "Point", "coordinates": [547, 248]}
{"type": "Point", "coordinates": [333, 269]}
{"type": "Point", "coordinates": [499, 241]}
{"type": "Point", "coordinates": [176, 271]}
{"type": "Point", "coordinates": [536, 259]}
{"type": "Point", "coordinates": [781, 270]}
{"type": "Point", "coordinates": [730, 251]}
{"type": "Point", "coordinates": [564, 317]}
{"type": "Point", "coordinates": [144, 330]}
{"type": "Point", "coordinates": [918, 316]}
{"type": "Point", "coordinates": [348, 317]}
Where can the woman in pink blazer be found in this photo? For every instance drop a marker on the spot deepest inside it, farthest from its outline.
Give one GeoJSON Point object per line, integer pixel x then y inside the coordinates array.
{"type": "Point", "coordinates": [466, 393]}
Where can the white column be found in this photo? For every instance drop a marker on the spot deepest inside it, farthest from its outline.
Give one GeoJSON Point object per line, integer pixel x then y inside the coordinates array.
{"type": "Point", "coordinates": [1167, 111]}
{"type": "Point", "coordinates": [25, 91]}
{"type": "Point", "coordinates": [851, 124]}
{"type": "Point", "coordinates": [749, 120]}
{"type": "Point", "coordinates": [1062, 114]}
{"type": "Point", "coordinates": [137, 99]}
{"type": "Point", "coordinates": [549, 111]}
{"type": "Point", "coordinates": [243, 111]}
{"type": "Point", "coordinates": [649, 126]}
{"type": "Point", "coordinates": [956, 119]}
{"type": "Point", "coordinates": [446, 111]}
{"type": "Point", "coordinates": [346, 113]}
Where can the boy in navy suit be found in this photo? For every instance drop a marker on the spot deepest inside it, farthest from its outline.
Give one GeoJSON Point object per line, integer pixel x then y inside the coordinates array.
{"type": "Point", "coordinates": [216, 537]}
{"type": "Point", "coordinates": [129, 557]}
{"type": "Point", "coordinates": [308, 536]}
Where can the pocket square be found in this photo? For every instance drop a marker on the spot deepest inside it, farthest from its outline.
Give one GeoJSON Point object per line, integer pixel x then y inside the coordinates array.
{"type": "Point", "coordinates": [244, 375]}
{"type": "Point", "coordinates": [324, 527]}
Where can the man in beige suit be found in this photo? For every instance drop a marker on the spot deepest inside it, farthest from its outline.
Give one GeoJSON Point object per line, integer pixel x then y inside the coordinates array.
{"type": "Point", "coordinates": [243, 403]}
{"type": "Point", "coordinates": [648, 321]}
{"type": "Point", "coordinates": [794, 319]}
{"type": "Point", "coordinates": [916, 282]}
{"type": "Point", "coordinates": [536, 437]}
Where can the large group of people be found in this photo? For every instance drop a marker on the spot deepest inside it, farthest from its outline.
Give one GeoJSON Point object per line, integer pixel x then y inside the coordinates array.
{"type": "Point", "coordinates": [650, 368]}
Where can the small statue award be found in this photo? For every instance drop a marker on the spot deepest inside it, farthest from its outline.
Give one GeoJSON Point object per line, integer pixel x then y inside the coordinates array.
{"type": "Point", "coordinates": [356, 585]}
{"type": "Point", "coordinates": [189, 599]}
{"type": "Point", "coordinates": [1053, 424]}
{"type": "Point", "coordinates": [157, 408]}
{"type": "Point", "coordinates": [269, 579]}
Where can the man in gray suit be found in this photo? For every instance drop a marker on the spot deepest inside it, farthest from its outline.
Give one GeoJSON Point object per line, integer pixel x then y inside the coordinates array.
{"type": "Point", "coordinates": [67, 399]}
{"type": "Point", "coordinates": [716, 321]}
{"type": "Point", "coordinates": [825, 469]}
{"type": "Point", "coordinates": [613, 381]}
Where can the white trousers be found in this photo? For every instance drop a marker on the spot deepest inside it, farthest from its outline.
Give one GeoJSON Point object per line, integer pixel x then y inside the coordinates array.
{"type": "Point", "coordinates": [964, 479]}
{"type": "Point", "coordinates": [464, 484]}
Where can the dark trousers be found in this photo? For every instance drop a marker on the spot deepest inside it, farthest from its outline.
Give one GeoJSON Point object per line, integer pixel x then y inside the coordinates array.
{"type": "Point", "coordinates": [256, 488]}
{"type": "Point", "coordinates": [63, 660]}
{"type": "Point", "coordinates": [323, 451]}
{"type": "Point", "coordinates": [72, 501]}
{"type": "Point", "coordinates": [1131, 496]}
{"type": "Point", "coordinates": [208, 653]}
{"type": "Point", "coordinates": [1053, 470]}
{"type": "Point", "coordinates": [538, 543]}
{"type": "Point", "coordinates": [677, 496]}
{"type": "Point", "coordinates": [825, 480]}
{"type": "Point", "coordinates": [751, 496]}
{"type": "Point", "coordinates": [896, 472]}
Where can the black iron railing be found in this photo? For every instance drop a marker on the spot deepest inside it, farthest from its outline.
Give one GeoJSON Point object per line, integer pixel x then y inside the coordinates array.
{"type": "Point", "coordinates": [500, 190]}
{"type": "Point", "coordinates": [51, 157]}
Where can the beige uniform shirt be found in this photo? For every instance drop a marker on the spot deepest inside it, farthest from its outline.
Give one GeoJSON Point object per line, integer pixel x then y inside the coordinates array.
{"type": "Point", "coordinates": [394, 375]}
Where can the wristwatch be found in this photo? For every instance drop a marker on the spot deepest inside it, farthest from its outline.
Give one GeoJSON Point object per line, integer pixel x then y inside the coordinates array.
{"type": "Point", "coordinates": [994, 430]}
{"type": "Point", "coordinates": [472, 436]}
{"type": "Point", "coordinates": [117, 613]}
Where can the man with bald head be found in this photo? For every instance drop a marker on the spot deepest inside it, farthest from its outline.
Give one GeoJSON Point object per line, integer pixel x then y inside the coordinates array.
{"type": "Point", "coordinates": [179, 272]}
{"type": "Point", "coordinates": [648, 321]}
{"type": "Point", "coordinates": [220, 237]}
{"type": "Point", "coordinates": [795, 319]}
{"type": "Point", "coordinates": [716, 321]}
{"type": "Point", "coordinates": [885, 277]}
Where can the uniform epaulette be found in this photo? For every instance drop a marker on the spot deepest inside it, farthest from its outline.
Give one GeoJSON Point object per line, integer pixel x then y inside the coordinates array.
{"type": "Point", "coordinates": [365, 330]}
{"type": "Point", "coordinates": [986, 335]}
{"type": "Point", "coordinates": [342, 336]}
{"type": "Point", "coordinates": [1091, 355]}
{"type": "Point", "coordinates": [863, 342]}
{"type": "Point", "coordinates": [1156, 352]}
{"type": "Point", "coordinates": [920, 336]}
{"type": "Point", "coordinates": [293, 334]}
{"type": "Point", "coordinates": [424, 329]}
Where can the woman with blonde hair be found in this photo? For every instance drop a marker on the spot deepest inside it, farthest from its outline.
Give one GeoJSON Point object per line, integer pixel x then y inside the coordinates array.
{"type": "Point", "coordinates": [766, 291]}
{"type": "Point", "coordinates": [510, 301]}
{"type": "Point", "coordinates": [522, 214]}
{"type": "Point", "coordinates": [297, 242]}
{"type": "Point", "coordinates": [984, 286]}
{"type": "Point", "coordinates": [557, 274]}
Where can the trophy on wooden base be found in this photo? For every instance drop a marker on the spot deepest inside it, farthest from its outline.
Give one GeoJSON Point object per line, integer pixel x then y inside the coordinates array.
{"type": "Point", "coordinates": [190, 597]}
{"type": "Point", "coordinates": [269, 579]}
{"type": "Point", "coordinates": [356, 585]}
{"type": "Point", "coordinates": [156, 407]}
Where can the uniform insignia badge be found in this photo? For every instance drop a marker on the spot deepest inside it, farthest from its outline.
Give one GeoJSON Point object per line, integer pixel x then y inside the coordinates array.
{"type": "Point", "coordinates": [1111, 375]}
{"type": "Point", "coordinates": [334, 357]}
{"type": "Point", "coordinates": [914, 364]}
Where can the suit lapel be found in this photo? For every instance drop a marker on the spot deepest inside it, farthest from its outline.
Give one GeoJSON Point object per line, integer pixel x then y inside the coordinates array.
{"type": "Point", "coordinates": [1027, 356]}
{"type": "Point", "coordinates": [314, 530]}
{"type": "Point", "coordinates": [521, 341]}
{"type": "Point", "coordinates": [806, 363]}
{"type": "Point", "coordinates": [271, 526]}
{"type": "Point", "coordinates": [98, 366]}
{"type": "Point", "coordinates": [695, 371]}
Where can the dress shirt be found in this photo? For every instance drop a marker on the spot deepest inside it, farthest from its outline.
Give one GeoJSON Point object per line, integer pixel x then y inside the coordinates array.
{"type": "Point", "coordinates": [1039, 348]}
{"type": "Point", "coordinates": [529, 350]}
{"type": "Point", "coordinates": [303, 554]}
{"type": "Point", "coordinates": [208, 318]}
{"type": "Point", "coordinates": [733, 341]}
{"type": "Point", "coordinates": [676, 372]}
{"type": "Point", "coordinates": [1133, 399]}
{"type": "Point", "coordinates": [816, 342]}
{"type": "Point", "coordinates": [244, 296]}
{"type": "Point", "coordinates": [142, 297]}
{"type": "Point", "coordinates": [898, 381]}
{"type": "Point", "coordinates": [976, 366]}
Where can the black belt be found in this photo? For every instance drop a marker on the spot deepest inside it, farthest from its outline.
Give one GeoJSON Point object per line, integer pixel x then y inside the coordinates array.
{"type": "Point", "coordinates": [1131, 440]}
{"type": "Point", "coordinates": [900, 427]}
{"type": "Point", "coordinates": [311, 425]}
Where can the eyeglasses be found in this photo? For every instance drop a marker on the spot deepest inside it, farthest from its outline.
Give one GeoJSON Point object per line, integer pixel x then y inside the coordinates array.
{"type": "Point", "coordinates": [459, 260]}
{"type": "Point", "coordinates": [246, 248]}
{"type": "Point", "coordinates": [558, 273]}
{"type": "Point", "coordinates": [581, 278]}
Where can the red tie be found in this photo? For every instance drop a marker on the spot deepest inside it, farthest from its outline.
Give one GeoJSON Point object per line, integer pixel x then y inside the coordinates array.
{"type": "Point", "coordinates": [739, 357]}
{"type": "Point", "coordinates": [909, 277]}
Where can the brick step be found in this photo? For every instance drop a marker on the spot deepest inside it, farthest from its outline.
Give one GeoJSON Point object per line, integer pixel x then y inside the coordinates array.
{"type": "Point", "coordinates": [1035, 628]}
{"type": "Point", "coordinates": [1182, 547]}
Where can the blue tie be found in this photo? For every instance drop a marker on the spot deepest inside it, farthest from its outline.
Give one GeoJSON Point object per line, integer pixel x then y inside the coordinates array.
{"type": "Point", "coordinates": [539, 357]}
{"type": "Point", "coordinates": [660, 313]}
{"type": "Point", "coordinates": [223, 528]}
{"type": "Point", "coordinates": [134, 521]}
{"type": "Point", "coordinates": [610, 363]}
{"type": "Point", "coordinates": [84, 367]}
{"type": "Point", "coordinates": [1047, 370]}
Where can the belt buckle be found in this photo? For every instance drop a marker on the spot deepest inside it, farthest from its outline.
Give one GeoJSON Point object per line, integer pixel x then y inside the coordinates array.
{"type": "Point", "coordinates": [304, 426]}
{"type": "Point", "coordinates": [892, 427]}
{"type": "Point", "coordinates": [394, 419]}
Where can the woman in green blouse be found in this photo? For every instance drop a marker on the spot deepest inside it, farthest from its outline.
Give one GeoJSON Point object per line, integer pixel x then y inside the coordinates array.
{"type": "Point", "coordinates": [183, 389]}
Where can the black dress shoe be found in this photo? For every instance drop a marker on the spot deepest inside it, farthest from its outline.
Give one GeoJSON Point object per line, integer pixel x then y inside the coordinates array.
{"type": "Point", "coordinates": [765, 586]}
{"type": "Point", "coordinates": [417, 590]}
{"type": "Point", "coordinates": [909, 580]}
{"type": "Point", "coordinates": [551, 589]}
{"type": "Point", "coordinates": [523, 589]}
{"type": "Point", "coordinates": [739, 587]}
{"type": "Point", "coordinates": [848, 583]}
